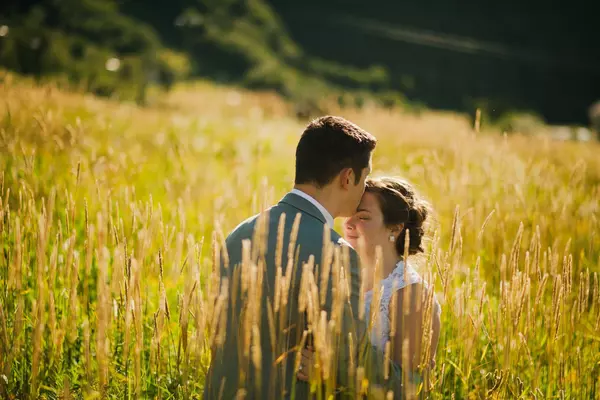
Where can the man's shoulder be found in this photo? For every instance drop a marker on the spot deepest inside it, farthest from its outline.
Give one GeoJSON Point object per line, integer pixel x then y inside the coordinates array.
{"type": "Point", "coordinates": [244, 230]}
{"type": "Point", "coordinates": [246, 227]}
{"type": "Point", "coordinates": [248, 223]}
{"type": "Point", "coordinates": [310, 227]}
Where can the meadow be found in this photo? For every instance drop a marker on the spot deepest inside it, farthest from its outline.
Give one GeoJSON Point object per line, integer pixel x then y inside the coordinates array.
{"type": "Point", "coordinates": [110, 214]}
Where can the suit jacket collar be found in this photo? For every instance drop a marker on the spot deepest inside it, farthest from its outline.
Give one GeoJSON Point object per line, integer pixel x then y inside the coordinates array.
{"type": "Point", "coordinates": [303, 205]}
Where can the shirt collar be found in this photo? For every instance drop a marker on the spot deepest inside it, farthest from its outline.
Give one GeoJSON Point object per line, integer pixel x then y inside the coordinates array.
{"type": "Point", "coordinates": [314, 202]}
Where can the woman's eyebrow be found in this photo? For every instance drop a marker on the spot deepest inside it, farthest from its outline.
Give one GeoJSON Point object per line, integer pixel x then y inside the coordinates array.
{"type": "Point", "coordinates": [362, 209]}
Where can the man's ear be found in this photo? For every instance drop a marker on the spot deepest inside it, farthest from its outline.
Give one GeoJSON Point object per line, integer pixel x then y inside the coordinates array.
{"type": "Point", "coordinates": [346, 177]}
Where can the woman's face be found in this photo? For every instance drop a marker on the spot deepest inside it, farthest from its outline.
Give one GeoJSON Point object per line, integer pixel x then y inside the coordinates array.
{"type": "Point", "coordinates": [366, 229]}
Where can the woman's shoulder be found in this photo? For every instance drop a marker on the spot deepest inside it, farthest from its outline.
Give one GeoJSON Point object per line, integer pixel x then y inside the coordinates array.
{"type": "Point", "coordinates": [405, 275]}
{"type": "Point", "coordinates": [409, 276]}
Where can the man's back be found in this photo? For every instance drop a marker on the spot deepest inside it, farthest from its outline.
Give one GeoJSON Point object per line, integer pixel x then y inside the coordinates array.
{"type": "Point", "coordinates": [264, 325]}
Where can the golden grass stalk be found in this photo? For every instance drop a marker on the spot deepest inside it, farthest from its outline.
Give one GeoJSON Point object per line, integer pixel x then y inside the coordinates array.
{"type": "Point", "coordinates": [89, 249]}
{"type": "Point", "coordinates": [256, 356]}
{"type": "Point", "coordinates": [4, 210]}
{"type": "Point", "coordinates": [38, 310]}
{"type": "Point", "coordinates": [272, 331]}
{"type": "Point", "coordinates": [521, 301]}
{"type": "Point", "coordinates": [200, 320]}
{"type": "Point", "coordinates": [138, 325]}
{"type": "Point", "coordinates": [361, 383]}
{"type": "Point", "coordinates": [341, 296]}
{"type": "Point", "coordinates": [52, 327]}
{"type": "Point", "coordinates": [541, 288]}
{"type": "Point", "coordinates": [221, 237]}
{"type": "Point", "coordinates": [374, 317]}
{"type": "Point", "coordinates": [393, 311]}
{"type": "Point", "coordinates": [66, 390]}
{"type": "Point", "coordinates": [336, 272]}
{"type": "Point", "coordinates": [87, 355]}
{"type": "Point", "coordinates": [186, 302]}
{"type": "Point", "coordinates": [454, 230]}
{"type": "Point", "coordinates": [595, 294]}
{"type": "Point", "coordinates": [387, 360]}
{"type": "Point", "coordinates": [407, 388]}
{"type": "Point", "coordinates": [352, 359]}
{"type": "Point", "coordinates": [219, 316]}
{"type": "Point", "coordinates": [155, 349]}
{"type": "Point", "coordinates": [557, 302]}
{"type": "Point", "coordinates": [5, 361]}
{"type": "Point", "coordinates": [102, 319]}
{"type": "Point", "coordinates": [129, 304]}
{"type": "Point", "coordinates": [15, 273]}
{"type": "Point", "coordinates": [364, 276]}
{"type": "Point", "coordinates": [513, 260]}
{"type": "Point", "coordinates": [326, 259]}
{"type": "Point", "coordinates": [428, 298]}
{"type": "Point", "coordinates": [260, 236]}
{"type": "Point", "coordinates": [293, 238]}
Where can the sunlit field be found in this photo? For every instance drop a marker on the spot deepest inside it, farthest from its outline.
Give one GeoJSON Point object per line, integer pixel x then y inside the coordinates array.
{"type": "Point", "coordinates": [110, 215]}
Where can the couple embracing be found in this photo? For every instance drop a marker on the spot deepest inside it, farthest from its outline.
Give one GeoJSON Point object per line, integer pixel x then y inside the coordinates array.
{"type": "Point", "coordinates": [305, 309]}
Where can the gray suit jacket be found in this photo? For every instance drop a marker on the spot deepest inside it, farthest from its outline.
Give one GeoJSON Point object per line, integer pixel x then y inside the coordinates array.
{"type": "Point", "coordinates": [230, 370]}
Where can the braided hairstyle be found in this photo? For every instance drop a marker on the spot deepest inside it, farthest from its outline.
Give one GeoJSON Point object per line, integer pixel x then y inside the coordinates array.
{"type": "Point", "coordinates": [400, 204]}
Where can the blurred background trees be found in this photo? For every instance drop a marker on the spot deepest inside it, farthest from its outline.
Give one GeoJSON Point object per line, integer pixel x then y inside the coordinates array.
{"type": "Point", "coordinates": [503, 58]}
{"type": "Point", "coordinates": [88, 43]}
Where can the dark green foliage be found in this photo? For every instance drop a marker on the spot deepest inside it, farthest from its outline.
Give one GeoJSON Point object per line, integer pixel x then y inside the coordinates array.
{"type": "Point", "coordinates": [500, 57]}
{"type": "Point", "coordinates": [91, 44]}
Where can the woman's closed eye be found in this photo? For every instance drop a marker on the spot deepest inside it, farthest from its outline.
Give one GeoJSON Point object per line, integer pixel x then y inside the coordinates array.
{"type": "Point", "coordinates": [362, 215]}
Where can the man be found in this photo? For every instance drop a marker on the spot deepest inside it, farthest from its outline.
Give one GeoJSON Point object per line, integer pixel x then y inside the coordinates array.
{"type": "Point", "coordinates": [255, 357]}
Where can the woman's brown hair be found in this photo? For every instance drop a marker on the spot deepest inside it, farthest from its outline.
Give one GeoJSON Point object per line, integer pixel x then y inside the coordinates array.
{"type": "Point", "coordinates": [400, 204]}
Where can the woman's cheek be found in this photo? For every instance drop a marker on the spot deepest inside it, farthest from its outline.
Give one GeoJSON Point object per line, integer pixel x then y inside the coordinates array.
{"type": "Point", "coordinates": [360, 227]}
{"type": "Point", "coordinates": [367, 233]}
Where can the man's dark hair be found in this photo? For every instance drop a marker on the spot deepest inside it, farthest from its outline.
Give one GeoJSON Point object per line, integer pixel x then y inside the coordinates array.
{"type": "Point", "coordinates": [328, 145]}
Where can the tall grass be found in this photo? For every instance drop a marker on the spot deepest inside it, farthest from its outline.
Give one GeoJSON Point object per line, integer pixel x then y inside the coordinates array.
{"type": "Point", "coordinates": [111, 217]}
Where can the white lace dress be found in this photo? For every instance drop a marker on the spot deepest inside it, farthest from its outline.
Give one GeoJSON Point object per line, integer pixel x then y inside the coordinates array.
{"type": "Point", "coordinates": [398, 279]}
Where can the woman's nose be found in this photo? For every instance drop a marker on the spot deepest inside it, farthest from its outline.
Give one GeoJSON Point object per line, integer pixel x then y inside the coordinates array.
{"type": "Point", "coordinates": [350, 224]}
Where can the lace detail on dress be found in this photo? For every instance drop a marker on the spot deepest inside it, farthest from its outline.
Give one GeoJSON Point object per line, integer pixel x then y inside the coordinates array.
{"type": "Point", "coordinates": [398, 279]}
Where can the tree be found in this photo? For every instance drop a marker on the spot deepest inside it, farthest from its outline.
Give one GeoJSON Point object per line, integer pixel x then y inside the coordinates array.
{"type": "Point", "coordinates": [89, 42]}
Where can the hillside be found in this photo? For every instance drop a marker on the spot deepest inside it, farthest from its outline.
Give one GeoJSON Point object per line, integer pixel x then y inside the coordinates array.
{"type": "Point", "coordinates": [499, 57]}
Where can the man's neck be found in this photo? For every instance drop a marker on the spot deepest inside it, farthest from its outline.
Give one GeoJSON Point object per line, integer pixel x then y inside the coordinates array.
{"type": "Point", "coordinates": [323, 195]}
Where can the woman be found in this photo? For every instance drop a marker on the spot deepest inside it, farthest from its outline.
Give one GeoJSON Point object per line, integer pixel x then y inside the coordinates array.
{"type": "Point", "coordinates": [388, 210]}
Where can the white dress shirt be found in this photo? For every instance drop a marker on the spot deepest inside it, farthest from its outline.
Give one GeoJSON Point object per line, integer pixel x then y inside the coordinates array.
{"type": "Point", "coordinates": [314, 202]}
